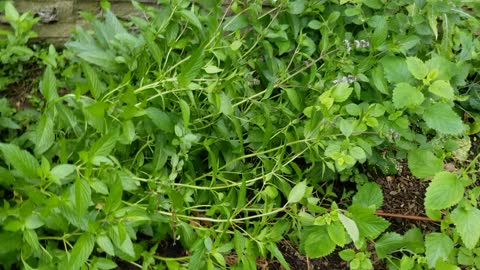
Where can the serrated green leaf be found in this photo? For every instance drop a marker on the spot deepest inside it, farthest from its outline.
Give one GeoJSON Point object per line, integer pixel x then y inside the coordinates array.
{"type": "Point", "coordinates": [350, 226]}
{"type": "Point", "coordinates": [395, 69]}
{"type": "Point", "coordinates": [81, 251]}
{"type": "Point", "coordinates": [21, 160]}
{"type": "Point", "coordinates": [48, 85]}
{"type": "Point", "coordinates": [235, 23]}
{"type": "Point", "coordinates": [191, 18]}
{"type": "Point", "coordinates": [106, 244]}
{"type": "Point", "coordinates": [378, 79]}
{"type": "Point", "coordinates": [380, 33]}
{"type": "Point", "coordinates": [467, 223]}
{"type": "Point", "coordinates": [443, 119]}
{"type": "Point", "coordinates": [341, 92]}
{"type": "Point", "coordinates": [405, 95]}
{"type": "Point", "coordinates": [82, 196]}
{"type": "Point", "coordinates": [417, 68]}
{"type": "Point", "coordinates": [104, 145]}
{"type": "Point", "coordinates": [442, 89]}
{"type": "Point", "coordinates": [297, 192]}
{"type": "Point", "coordinates": [96, 86]}
{"type": "Point", "coordinates": [63, 170]}
{"type": "Point", "coordinates": [191, 67]}
{"type": "Point", "coordinates": [369, 225]}
{"type": "Point", "coordinates": [336, 232]}
{"type": "Point", "coordinates": [347, 254]}
{"type": "Point", "coordinates": [438, 247]}
{"type": "Point", "coordinates": [30, 236]}
{"type": "Point", "coordinates": [423, 163]}
{"type": "Point", "coordinates": [370, 194]}
{"type": "Point", "coordinates": [44, 136]}
{"type": "Point", "coordinates": [444, 191]}
{"type": "Point", "coordinates": [393, 242]}
{"type": "Point", "coordinates": [311, 242]}
{"type": "Point", "coordinates": [161, 119]}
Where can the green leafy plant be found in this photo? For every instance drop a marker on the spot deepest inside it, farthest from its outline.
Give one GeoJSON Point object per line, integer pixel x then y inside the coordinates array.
{"type": "Point", "coordinates": [226, 129]}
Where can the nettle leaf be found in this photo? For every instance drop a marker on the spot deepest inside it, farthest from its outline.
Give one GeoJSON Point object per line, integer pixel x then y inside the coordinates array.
{"type": "Point", "coordinates": [48, 85]}
{"type": "Point", "coordinates": [44, 135]}
{"type": "Point", "coordinates": [438, 246]}
{"type": "Point", "coordinates": [380, 33]}
{"type": "Point", "coordinates": [106, 244]}
{"type": "Point", "coordinates": [444, 191]}
{"type": "Point", "coordinates": [423, 163]}
{"type": "Point", "coordinates": [405, 95]}
{"type": "Point", "coordinates": [443, 119]}
{"type": "Point", "coordinates": [83, 195]}
{"type": "Point", "coordinates": [311, 242]}
{"type": "Point", "coordinates": [350, 226]}
{"type": "Point", "coordinates": [337, 233]}
{"type": "Point", "coordinates": [104, 145]}
{"type": "Point", "coordinates": [391, 242]}
{"type": "Point", "coordinates": [191, 67]}
{"type": "Point", "coordinates": [369, 225]}
{"type": "Point", "coordinates": [467, 223]}
{"type": "Point", "coordinates": [442, 89]}
{"type": "Point", "coordinates": [21, 160]}
{"type": "Point", "coordinates": [368, 195]}
{"type": "Point", "coordinates": [185, 108]}
{"type": "Point", "coordinates": [417, 68]}
{"type": "Point", "coordinates": [395, 69]}
{"type": "Point", "coordinates": [96, 86]}
{"type": "Point", "coordinates": [294, 98]}
{"type": "Point", "coordinates": [81, 251]}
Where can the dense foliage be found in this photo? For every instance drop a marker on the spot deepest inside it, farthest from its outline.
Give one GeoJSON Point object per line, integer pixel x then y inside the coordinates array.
{"type": "Point", "coordinates": [227, 128]}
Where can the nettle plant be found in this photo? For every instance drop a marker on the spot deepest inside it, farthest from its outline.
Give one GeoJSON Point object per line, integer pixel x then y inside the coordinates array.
{"type": "Point", "coordinates": [224, 129]}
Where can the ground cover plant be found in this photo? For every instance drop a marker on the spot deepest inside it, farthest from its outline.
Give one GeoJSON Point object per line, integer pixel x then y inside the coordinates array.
{"type": "Point", "coordinates": [225, 129]}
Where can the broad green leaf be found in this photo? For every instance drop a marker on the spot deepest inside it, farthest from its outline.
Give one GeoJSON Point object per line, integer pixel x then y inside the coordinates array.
{"type": "Point", "coordinates": [347, 254]}
{"type": "Point", "coordinates": [370, 194]}
{"type": "Point", "coordinates": [226, 106]}
{"type": "Point", "coordinates": [20, 160]}
{"type": "Point", "coordinates": [103, 263]}
{"type": "Point", "coordinates": [389, 242]}
{"type": "Point", "coordinates": [82, 196]}
{"type": "Point", "coordinates": [33, 222]}
{"type": "Point", "coordinates": [467, 223]}
{"type": "Point", "coordinates": [44, 136]}
{"type": "Point", "coordinates": [192, 19]}
{"type": "Point", "coordinates": [104, 145]}
{"type": "Point", "coordinates": [106, 244]}
{"type": "Point", "coordinates": [442, 89]}
{"type": "Point", "coordinates": [161, 119]}
{"type": "Point", "coordinates": [395, 69]}
{"type": "Point", "coordinates": [350, 226]}
{"type": "Point", "coordinates": [378, 80]}
{"type": "Point", "coordinates": [347, 126]}
{"type": "Point", "coordinates": [423, 163]}
{"type": "Point", "coordinates": [341, 92]}
{"type": "Point", "coordinates": [30, 236]}
{"type": "Point", "coordinates": [337, 233]}
{"type": "Point", "coordinates": [311, 242]}
{"type": "Point", "coordinates": [81, 251]}
{"type": "Point", "coordinates": [11, 13]}
{"type": "Point", "coordinates": [96, 86]}
{"type": "Point", "coordinates": [375, 4]}
{"type": "Point", "coordinates": [443, 119]}
{"type": "Point", "coordinates": [297, 192]}
{"type": "Point", "coordinates": [369, 225]}
{"type": "Point", "coordinates": [191, 67]}
{"type": "Point", "coordinates": [294, 98]}
{"type": "Point", "coordinates": [63, 170]}
{"type": "Point", "coordinates": [235, 23]}
{"type": "Point", "coordinates": [48, 85]}
{"type": "Point", "coordinates": [380, 33]}
{"type": "Point", "coordinates": [444, 191]}
{"type": "Point", "coordinates": [417, 68]}
{"type": "Point", "coordinates": [405, 95]}
{"type": "Point", "coordinates": [438, 247]}
{"type": "Point", "coordinates": [392, 242]}
{"type": "Point", "coordinates": [296, 7]}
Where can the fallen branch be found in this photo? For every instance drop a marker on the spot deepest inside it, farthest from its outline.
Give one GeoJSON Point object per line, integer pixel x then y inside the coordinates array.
{"type": "Point", "coordinates": [412, 217]}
